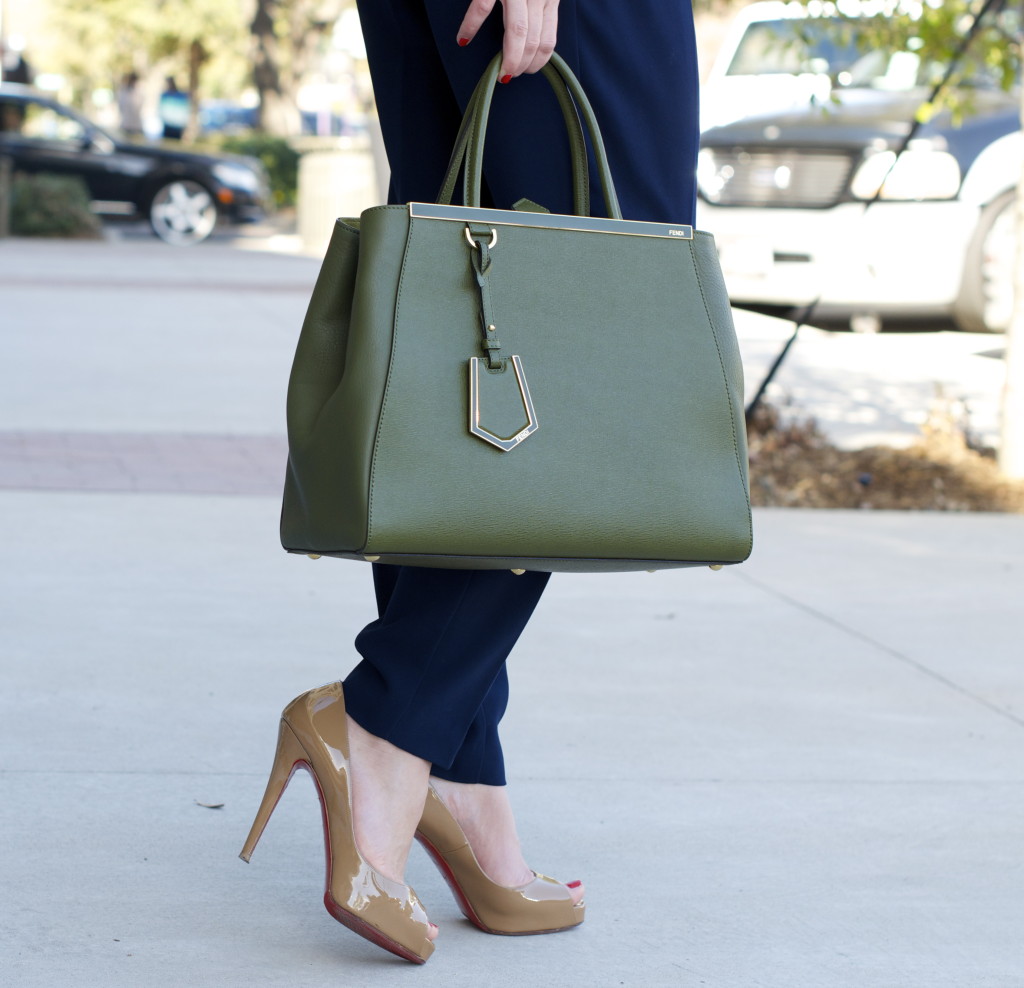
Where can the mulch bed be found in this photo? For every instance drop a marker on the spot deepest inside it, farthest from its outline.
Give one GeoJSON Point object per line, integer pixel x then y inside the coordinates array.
{"type": "Point", "coordinates": [792, 464]}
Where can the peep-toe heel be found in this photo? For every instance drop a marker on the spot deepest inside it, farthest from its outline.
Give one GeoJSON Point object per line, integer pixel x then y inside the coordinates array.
{"type": "Point", "coordinates": [542, 905]}
{"type": "Point", "coordinates": [314, 736]}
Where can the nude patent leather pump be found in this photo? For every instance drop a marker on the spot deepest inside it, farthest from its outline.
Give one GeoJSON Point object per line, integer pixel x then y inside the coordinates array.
{"type": "Point", "coordinates": [314, 736]}
{"type": "Point", "coordinates": [541, 906]}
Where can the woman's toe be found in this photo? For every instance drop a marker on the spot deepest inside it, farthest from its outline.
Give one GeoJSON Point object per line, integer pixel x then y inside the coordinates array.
{"type": "Point", "coordinates": [432, 931]}
{"type": "Point", "coordinates": [576, 890]}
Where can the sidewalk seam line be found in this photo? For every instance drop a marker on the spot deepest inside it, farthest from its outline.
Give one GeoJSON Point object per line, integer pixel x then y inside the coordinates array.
{"type": "Point", "coordinates": [882, 647]}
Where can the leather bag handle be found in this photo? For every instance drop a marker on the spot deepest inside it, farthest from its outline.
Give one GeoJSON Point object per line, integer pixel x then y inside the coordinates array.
{"type": "Point", "coordinates": [469, 145]}
{"type": "Point", "coordinates": [577, 148]}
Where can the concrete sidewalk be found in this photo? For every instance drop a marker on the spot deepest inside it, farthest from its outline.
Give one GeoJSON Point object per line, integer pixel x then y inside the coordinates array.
{"type": "Point", "coordinates": [805, 772]}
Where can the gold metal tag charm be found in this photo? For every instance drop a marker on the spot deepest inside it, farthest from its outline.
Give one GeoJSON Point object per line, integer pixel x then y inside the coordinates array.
{"type": "Point", "coordinates": [504, 443]}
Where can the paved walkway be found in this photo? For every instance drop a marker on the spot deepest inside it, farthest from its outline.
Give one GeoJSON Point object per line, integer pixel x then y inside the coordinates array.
{"type": "Point", "coordinates": [805, 772]}
{"type": "Point", "coordinates": [125, 461]}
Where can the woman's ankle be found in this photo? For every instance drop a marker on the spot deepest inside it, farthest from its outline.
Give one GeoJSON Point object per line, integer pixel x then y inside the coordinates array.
{"type": "Point", "coordinates": [485, 815]}
{"type": "Point", "coordinates": [389, 786]}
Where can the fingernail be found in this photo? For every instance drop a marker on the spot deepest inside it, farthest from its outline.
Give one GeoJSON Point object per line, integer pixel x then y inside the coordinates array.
{"type": "Point", "coordinates": [573, 885]}
{"type": "Point", "coordinates": [505, 80]}
{"type": "Point", "coordinates": [463, 42]}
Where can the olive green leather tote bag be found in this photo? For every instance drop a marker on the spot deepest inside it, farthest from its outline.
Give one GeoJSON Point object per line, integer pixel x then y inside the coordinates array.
{"type": "Point", "coordinates": [512, 389]}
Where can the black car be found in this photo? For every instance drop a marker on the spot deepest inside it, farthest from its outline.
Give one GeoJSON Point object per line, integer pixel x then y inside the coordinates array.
{"type": "Point", "coordinates": [182, 194]}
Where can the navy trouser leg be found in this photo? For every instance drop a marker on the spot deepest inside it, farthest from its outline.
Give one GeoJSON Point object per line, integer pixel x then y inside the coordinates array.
{"type": "Point", "coordinates": [636, 59]}
{"type": "Point", "coordinates": [432, 680]}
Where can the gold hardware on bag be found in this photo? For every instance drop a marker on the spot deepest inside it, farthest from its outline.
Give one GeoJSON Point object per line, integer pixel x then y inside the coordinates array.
{"type": "Point", "coordinates": [716, 567]}
{"type": "Point", "coordinates": [504, 443]}
{"type": "Point", "coordinates": [312, 555]}
{"type": "Point", "coordinates": [549, 221]}
{"type": "Point", "coordinates": [473, 244]}
{"type": "Point", "coordinates": [519, 572]}
{"type": "Point", "coordinates": [371, 559]}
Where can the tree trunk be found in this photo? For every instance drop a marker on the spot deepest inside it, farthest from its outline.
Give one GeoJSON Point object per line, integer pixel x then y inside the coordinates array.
{"type": "Point", "coordinates": [1011, 445]}
{"type": "Point", "coordinates": [265, 74]}
{"type": "Point", "coordinates": [277, 113]}
{"type": "Point", "coordinates": [196, 57]}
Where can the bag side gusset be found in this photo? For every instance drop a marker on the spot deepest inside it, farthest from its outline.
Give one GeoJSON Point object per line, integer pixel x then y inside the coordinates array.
{"type": "Point", "coordinates": [346, 344]}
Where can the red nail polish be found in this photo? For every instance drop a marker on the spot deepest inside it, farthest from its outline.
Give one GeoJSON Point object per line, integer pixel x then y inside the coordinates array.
{"type": "Point", "coordinates": [573, 885]}
{"type": "Point", "coordinates": [463, 42]}
{"type": "Point", "coordinates": [505, 80]}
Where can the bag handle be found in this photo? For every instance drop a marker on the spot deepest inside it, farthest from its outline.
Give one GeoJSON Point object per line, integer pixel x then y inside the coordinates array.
{"type": "Point", "coordinates": [569, 92]}
{"type": "Point", "coordinates": [577, 148]}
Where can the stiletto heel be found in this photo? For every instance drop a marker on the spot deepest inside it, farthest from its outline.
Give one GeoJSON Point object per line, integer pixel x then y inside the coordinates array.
{"type": "Point", "coordinates": [314, 736]}
{"type": "Point", "coordinates": [543, 905]}
{"type": "Point", "coordinates": [287, 759]}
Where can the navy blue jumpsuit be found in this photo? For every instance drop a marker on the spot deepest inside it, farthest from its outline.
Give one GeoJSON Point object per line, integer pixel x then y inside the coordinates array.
{"type": "Point", "coordinates": [432, 678]}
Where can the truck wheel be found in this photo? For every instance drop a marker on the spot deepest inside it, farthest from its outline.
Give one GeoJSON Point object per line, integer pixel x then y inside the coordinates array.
{"type": "Point", "coordinates": [985, 302]}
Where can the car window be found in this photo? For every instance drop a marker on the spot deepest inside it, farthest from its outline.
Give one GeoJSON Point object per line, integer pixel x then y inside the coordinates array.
{"type": "Point", "coordinates": [39, 121]}
{"type": "Point", "coordinates": [12, 116]}
{"type": "Point", "coordinates": [793, 45]}
{"type": "Point", "coordinates": [828, 46]}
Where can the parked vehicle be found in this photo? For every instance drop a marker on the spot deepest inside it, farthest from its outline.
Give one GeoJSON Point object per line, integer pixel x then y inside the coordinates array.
{"type": "Point", "coordinates": [182, 194]}
{"type": "Point", "coordinates": [785, 195]}
{"type": "Point", "coordinates": [774, 57]}
{"type": "Point", "coordinates": [226, 117]}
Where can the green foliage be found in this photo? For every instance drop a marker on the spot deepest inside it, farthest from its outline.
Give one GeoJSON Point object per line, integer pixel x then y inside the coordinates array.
{"type": "Point", "coordinates": [51, 206]}
{"type": "Point", "coordinates": [102, 39]}
{"type": "Point", "coordinates": [934, 32]}
{"type": "Point", "coordinates": [279, 158]}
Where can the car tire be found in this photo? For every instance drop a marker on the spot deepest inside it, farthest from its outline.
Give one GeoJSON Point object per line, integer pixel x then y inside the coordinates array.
{"type": "Point", "coordinates": [183, 212]}
{"type": "Point", "coordinates": [985, 302]}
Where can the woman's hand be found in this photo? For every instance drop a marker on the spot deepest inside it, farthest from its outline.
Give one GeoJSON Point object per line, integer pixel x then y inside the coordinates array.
{"type": "Point", "coordinates": [530, 30]}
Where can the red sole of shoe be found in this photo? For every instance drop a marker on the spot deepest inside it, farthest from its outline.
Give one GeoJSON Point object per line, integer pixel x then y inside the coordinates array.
{"type": "Point", "coordinates": [368, 932]}
{"type": "Point", "coordinates": [449, 877]}
{"type": "Point", "coordinates": [343, 916]}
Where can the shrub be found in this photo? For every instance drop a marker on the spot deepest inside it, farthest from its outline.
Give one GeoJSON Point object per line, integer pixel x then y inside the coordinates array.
{"type": "Point", "coordinates": [793, 464]}
{"type": "Point", "coordinates": [51, 206]}
{"type": "Point", "coordinates": [279, 158]}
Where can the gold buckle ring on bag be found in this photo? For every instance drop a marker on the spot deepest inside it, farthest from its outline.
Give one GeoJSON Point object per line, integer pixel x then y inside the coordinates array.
{"type": "Point", "coordinates": [473, 244]}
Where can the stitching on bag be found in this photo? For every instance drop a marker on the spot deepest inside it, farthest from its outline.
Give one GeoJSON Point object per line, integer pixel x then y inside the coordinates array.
{"type": "Point", "coordinates": [387, 382]}
{"type": "Point", "coordinates": [725, 376]}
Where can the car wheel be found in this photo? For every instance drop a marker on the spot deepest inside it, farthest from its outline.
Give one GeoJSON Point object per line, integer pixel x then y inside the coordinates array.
{"type": "Point", "coordinates": [985, 303]}
{"type": "Point", "coordinates": [182, 213]}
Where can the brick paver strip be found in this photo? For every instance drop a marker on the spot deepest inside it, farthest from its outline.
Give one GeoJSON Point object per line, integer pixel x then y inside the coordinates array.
{"type": "Point", "coordinates": [189, 285]}
{"type": "Point", "coordinates": [142, 462]}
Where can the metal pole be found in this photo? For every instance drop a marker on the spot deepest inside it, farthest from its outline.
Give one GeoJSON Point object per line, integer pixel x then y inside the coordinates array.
{"type": "Point", "coordinates": [3, 36]}
{"type": "Point", "coordinates": [5, 196]}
